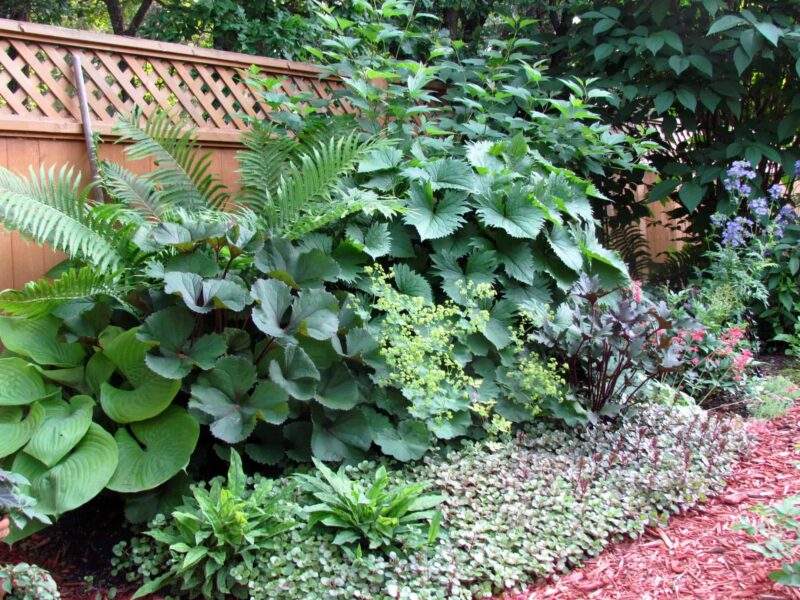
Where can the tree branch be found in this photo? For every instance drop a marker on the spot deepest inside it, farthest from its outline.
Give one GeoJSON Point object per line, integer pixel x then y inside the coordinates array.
{"type": "Point", "coordinates": [138, 18]}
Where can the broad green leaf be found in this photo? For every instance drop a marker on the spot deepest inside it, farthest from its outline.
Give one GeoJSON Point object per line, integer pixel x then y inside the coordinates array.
{"type": "Point", "coordinates": [446, 173]}
{"type": "Point", "coordinates": [687, 98]}
{"type": "Point", "coordinates": [742, 60]}
{"type": "Point", "coordinates": [662, 189]}
{"type": "Point", "coordinates": [690, 194]}
{"type": "Point", "coordinates": [15, 431]}
{"type": "Point", "coordinates": [204, 295]}
{"type": "Point", "coordinates": [678, 63]}
{"type": "Point", "coordinates": [409, 441]}
{"type": "Point", "coordinates": [480, 267]}
{"type": "Point", "coordinates": [566, 248]}
{"type": "Point", "coordinates": [411, 283]}
{"type": "Point", "coordinates": [154, 451]}
{"type": "Point", "coordinates": [37, 339]}
{"type": "Point", "coordinates": [295, 373]}
{"type": "Point", "coordinates": [434, 218]}
{"type": "Point", "coordinates": [337, 388]}
{"type": "Point", "coordinates": [314, 312]}
{"type": "Point", "coordinates": [513, 212]}
{"type": "Point", "coordinates": [450, 427]}
{"type": "Point", "coordinates": [376, 241]}
{"type": "Point", "coordinates": [20, 383]}
{"type": "Point", "coordinates": [771, 32]}
{"type": "Point", "coordinates": [343, 437]}
{"type": "Point", "coordinates": [149, 395]}
{"type": "Point", "coordinates": [724, 23]}
{"type": "Point", "coordinates": [515, 257]}
{"type": "Point", "coordinates": [77, 478]}
{"type": "Point", "coordinates": [299, 268]}
{"type": "Point", "coordinates": [178, 352]}
{"type": "Point", "coordinates": [663, 101]}
{"type": "Point", "coordinates": [385, 157]}
{"type": "Point", "coordinates": [64, 426]}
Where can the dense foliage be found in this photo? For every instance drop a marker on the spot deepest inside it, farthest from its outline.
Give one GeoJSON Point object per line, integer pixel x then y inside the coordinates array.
{"type": "Point", "coordinates": [505, 517]}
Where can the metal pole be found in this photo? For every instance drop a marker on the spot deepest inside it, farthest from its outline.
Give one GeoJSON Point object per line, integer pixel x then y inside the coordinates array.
{"type": "Point", "coordinates": [87, 125]}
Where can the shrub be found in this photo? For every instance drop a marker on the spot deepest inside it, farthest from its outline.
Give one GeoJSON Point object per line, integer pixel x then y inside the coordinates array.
{"type": "Point", "coordinates": [27, 582]}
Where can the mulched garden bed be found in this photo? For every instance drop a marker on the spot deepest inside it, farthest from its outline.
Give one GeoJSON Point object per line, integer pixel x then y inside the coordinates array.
{"type": "Point", "coordinates": [698, 555]}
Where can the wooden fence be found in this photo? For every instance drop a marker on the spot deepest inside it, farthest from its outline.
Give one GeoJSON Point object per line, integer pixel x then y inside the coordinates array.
{"type": "Point", "coordinates": [40, 116]}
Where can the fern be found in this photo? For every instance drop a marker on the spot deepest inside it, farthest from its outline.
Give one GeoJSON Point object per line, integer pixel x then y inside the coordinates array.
{"type": "Point", "coordinates": [52, 209]}
{"type": "Point", "coordinates": [263, 163]}
{"type": "Point", "coordinates": [182, 176]}
{"type": "Point", "coordinates": [41, 297]}
{"type": "Point", "coordinates": [633, 247]}
{"type": "Point", "coordinates": [303, 197]}
{"type": "Point", "coordinates": [133, 191]}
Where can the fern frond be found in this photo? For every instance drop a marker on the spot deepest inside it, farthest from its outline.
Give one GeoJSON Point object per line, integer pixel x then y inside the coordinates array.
{"type": "Point", "coordinates": [304, 198]}
{"type": "Point", "coordinates": [263, 163]}
{"type": "Point", "coordinates": [183, 176]}
{"type": "Point", "coordinates": [633, 248]}
{"type": "Point", "coordinates": [52, 209]}
{"type": "Point", "coordinates": [130, 189]}
{"type": "Point", "coordinates": [41, 297]}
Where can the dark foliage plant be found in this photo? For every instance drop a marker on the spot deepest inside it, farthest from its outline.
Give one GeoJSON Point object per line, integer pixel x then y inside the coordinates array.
{"type": "Point", "coordinates": [611, 346]}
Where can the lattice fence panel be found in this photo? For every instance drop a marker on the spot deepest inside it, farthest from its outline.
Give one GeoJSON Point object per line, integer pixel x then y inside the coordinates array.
{"type": "Point", "coordinates": [37, 84]}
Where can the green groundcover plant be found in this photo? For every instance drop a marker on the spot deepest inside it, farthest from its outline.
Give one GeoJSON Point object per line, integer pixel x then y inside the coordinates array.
{"type": "Point", "coordinates": [515, 509]}
{"type": "Point", "coordinates": [27, 582]}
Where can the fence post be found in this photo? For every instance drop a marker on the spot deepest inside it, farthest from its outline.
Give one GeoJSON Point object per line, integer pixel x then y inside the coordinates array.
{"type": "Point", "coordinates": [87, 125]}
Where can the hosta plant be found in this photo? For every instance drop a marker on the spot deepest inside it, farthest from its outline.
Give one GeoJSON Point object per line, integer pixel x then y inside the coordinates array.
{"type": "Point", "coordinates": [380, 516]}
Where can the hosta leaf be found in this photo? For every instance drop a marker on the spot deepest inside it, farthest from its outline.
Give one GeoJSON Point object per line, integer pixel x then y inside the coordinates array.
{"type": "Point", "coordinates": [566, 248]}
{"type": "Point", "coordinates": [411, 283]}
{"type": "Point", "coordinates": [295, 373]}
{"type": "Point", "coordinates": [337, 388]}
{"type": "Point", "coordinates": [177, 352]}
{"type": "Point", "coordinates": [512, 212]}
{"type": "Point", "coordinates": [150, 394]}
{"type": "Point", "coordinates": [298, 268]}
{"type": "Point", "coordinates": [37, 339]}
{"type": "Point", "coordinates": [434, 218]}
{"type": "Point", "coordinates": [15, 431]}
{"type": "Point", "coordinates": [64, 426]}
{"type": "Point", "coordinates": [154, 451]}
{"type": "Point", "coordinates": [204, 295]}
{"type": "Point", "coordinates": [77, 478]}
{"type": "Point", "coordinates": [20, 383]}
{"type": "Point", "coordinates": [343, 437]}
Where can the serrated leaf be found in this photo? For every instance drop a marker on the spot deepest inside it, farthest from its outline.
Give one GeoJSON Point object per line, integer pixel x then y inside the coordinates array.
{"type": "Point", "coordinates": [337, 388]}
{"type": "Point", "coordinates": [204, 295]}
{"type": "Point", "coordinates": [513, 212]}
{"type": "Point", "coordinates": [432, 218]}
{"type": "Point", "coordinates": [411, 283]}
{"type": "Point", "coordinates": [566, 248]}
{"type": "Point", "coordinates": [295, 372]}
{"type": "Point", "coordinates": [344, 437]}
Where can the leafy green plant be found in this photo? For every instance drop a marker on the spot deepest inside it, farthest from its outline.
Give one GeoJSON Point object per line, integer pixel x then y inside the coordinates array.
{"type": "Point", "coordinates": [377, 517]}
{"type": "Point", "coordinates": [14, 503]}
{"type": "Point", "coordinates": [27, 582]}
{"type": "Point", "coordinates": [779, 526]}
{"type": "Point", "coordinates": [217, 528]}
{"type": "Point", "coordinates": [770, 397]}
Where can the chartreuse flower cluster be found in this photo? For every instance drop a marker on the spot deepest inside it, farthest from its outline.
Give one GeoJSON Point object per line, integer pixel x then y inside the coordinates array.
{"type": "Point", "coordinates": [419, 341]}
{"type": "Point", "coordinates": [515, 509]}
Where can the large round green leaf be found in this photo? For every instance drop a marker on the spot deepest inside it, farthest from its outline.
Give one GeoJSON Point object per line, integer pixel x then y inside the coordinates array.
{"type": "Point", "coordinates": [141, 403]}
{"type": "Point", "coordinates": [64, 426]}
{"type": "Point", "coordinates": [150, 393]}
{"type": "Point", "coordinates": [16, 431]}
{"type": "Point", "coordinates": [77, 478]}
{"type": "Point", "coordinates": [20, 383]}
{"type": "Point", "coordinates": [153, 451]}
{"type": "Point", "coordinates": [38, 340]}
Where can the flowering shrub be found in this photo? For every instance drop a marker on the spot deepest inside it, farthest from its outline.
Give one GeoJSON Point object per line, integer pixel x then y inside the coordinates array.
{"type": "Point", "coordinates": [713, 363]}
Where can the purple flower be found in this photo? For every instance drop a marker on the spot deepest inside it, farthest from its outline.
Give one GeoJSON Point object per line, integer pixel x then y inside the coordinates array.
{"type": "Point", "coordinates": [738, 176]}
{"type": "Point", "coordinates": [718, 220]}
{"type": "Point", "coordinates": [736, 233]}
{"type": "Point", "coordinates": [776, 191]}
{"type": "Point", "coordinates": [797, 168]}
{"type": "Point", "coordinates": [758, 206]}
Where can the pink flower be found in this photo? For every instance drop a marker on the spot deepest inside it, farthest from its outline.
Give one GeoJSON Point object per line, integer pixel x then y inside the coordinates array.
{"type": "Point", "coordinates": [695, 361]}
{"type": "Point", "coordinates": [636, 290]}
{"type": "Point", "coordinates": [698, 335]}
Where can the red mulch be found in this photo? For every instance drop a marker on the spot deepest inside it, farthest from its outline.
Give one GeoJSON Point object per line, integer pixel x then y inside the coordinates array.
{"type": "Point", "coordinates": [698, 555]}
